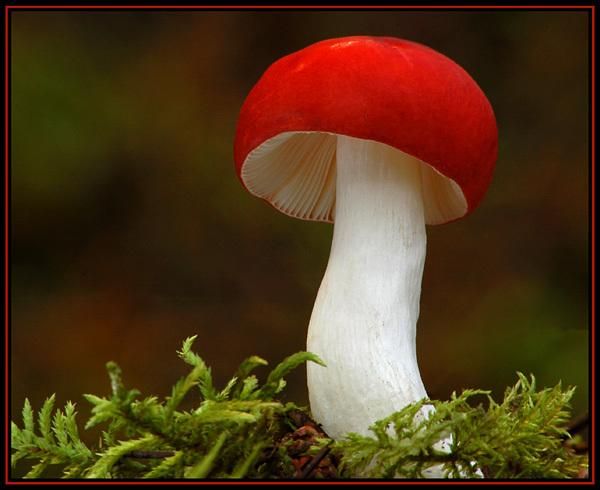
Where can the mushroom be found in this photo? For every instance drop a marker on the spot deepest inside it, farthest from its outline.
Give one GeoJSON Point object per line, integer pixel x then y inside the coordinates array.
{"type": "Point", "coordinates": [380, 136]}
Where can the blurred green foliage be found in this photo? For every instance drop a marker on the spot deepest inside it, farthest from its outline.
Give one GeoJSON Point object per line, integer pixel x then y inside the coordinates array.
{"type": "Point", "coordinates": [128, 221]}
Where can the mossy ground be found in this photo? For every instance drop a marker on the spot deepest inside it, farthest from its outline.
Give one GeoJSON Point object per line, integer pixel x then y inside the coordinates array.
{"type": "Point", "coordinates": [244, 431]}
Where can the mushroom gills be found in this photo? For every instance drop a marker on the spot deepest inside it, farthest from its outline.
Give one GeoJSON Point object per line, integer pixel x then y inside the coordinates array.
{"type": "Point", "coordinates": [296, 172]}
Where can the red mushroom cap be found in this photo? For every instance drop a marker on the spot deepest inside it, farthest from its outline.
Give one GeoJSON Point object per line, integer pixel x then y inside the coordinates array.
{"type": "Point", "coordinates": [384, 89]}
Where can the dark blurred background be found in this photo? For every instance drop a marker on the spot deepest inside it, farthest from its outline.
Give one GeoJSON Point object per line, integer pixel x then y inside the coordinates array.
{"type": "Point", "coordinates": [131, 231]}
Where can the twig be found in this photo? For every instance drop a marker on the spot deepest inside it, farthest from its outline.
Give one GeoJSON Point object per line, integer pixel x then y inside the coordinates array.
{"type": "Point", "coordinates": [308, 469]}
{"type": "Point", "coordinates": [578, 424]}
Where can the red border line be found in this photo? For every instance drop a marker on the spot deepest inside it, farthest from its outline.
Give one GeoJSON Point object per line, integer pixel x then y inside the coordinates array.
{"type": "Point", "coordinates": [303, 7]}
{"type": "Point", "coordinates": [592, 469]}
{"type": "Point", "coordinates": [7, 9]}
{"type": "Point", "coordinates": [6, 243]}
{"type": "Point", "coordinates": [305, 482]}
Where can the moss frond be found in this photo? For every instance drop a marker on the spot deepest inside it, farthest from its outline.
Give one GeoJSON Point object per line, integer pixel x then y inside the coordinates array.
{"type": "Point", "coordinates": [243, 431]}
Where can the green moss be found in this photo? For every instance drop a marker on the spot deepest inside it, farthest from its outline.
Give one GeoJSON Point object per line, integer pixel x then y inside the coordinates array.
{"type": "Point", "coordinates": [242, 431]}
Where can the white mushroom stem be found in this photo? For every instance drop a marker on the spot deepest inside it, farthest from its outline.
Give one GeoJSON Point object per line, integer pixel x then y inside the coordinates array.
{"type": "Point", "coordinates": [364, 319]}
